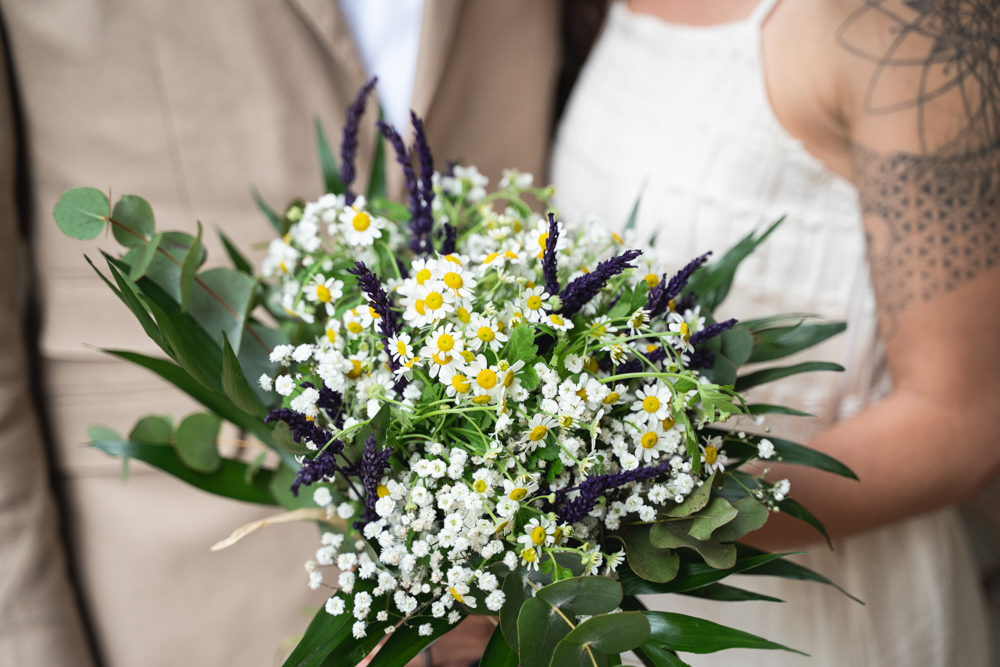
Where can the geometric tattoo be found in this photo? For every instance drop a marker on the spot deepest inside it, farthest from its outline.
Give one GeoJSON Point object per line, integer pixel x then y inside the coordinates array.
{"type": "Point", "coordinates": [937, 65]}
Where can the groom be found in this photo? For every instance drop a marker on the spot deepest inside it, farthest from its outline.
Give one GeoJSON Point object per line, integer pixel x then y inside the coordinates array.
{"type": "Point", "coordinates": [188, 103]}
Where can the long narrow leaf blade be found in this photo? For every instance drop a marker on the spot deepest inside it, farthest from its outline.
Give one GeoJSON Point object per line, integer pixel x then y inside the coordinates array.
{"type": "Point", "coordinates": [771, 374]}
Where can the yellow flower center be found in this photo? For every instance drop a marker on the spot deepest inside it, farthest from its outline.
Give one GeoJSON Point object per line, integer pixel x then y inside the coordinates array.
{"type": "Point", "coordinates": [556, 320]}
{"type": "Point", "coordinates": [401, 348]}
{"type": "Point", "coordinates": [529, 555]}
{"type": "Point", "coordinates": [355, 327]}
{"type": "Point", "coordinates": [423, 275]}
{"type": "Point", "coordinates": [711, 455]}
{"type": "Point", "coordinates": [543, 239]}
{"type": "Point", "coordinates": [434, 301]}
{"type": "Point", "coordinates": [500, 527]}
{"type": "Point", "coordinates": [323, 294]}
{"type": "Point", "coordinates": [668, 423]}
{"type": "Point", "coordinates": [463, 315]}
{"type": "Point", "coordinates": [611, 398]}
{"type": "Point", "coordinates": [651, 348]}
{"type": "Point", "coordinates": [636, 321]}
{"type": "Point", "coordinates": [685, 331]}
{"type": "Point", "coordinates": [375, 316]}
{"type": "Point", "coordinates": [455, 593]}
{"type": "Point", "coordinates": [510, 254]}
{"type": "Point", "coordinates": [452, 259]}
{"type": "Point", "coordinates": [419, 307]}
{"type": "Point", "coordinates": [460, 383]}
{"type": "Point", "coordinates": [468, 356]}
{"type": "Point", "coordinates": [651, 404]}
{"type": "Point", "coordinates": [331, 335]}
{"type": "Point", "coordinates": [538, 535]}
{"type": "Point", "coordinates": [355, 371]}
{"type": "Point", "coordinates": [486, 379]}
{"type": "Point", "coordinates": [652, 280]}
{"type": "Point", "coordinates": [480, 486]}
{"type": "Point", "coordinates": [599, 330]}
{"type": "Point", "coordinates": [649, 440]}
{"type": "Point", "coordinates": [591, 365]}
{"type": "Point", "coordinates": [490, 257]}
{"type": "Point", "coordinates": [446, 342]}
{"type": "Point", "coordinates": [671, 306]}
{"type": "Point", "coordinates": [558, 535]}
{"type": "Point", "coordinates": [508, 379]}
{"type": "Point", "coordinates": [538, 433]}
{"type": "Point", "coordinates": [485, 334]}
{"type": "Point", "coordinates": [382, 490]}
{"type": "Point", "coordinates": [361, 221]}
{"type": "Point", "coordinates": [618, 239]}
{"type": "Point", "coordinates": [481, 400]}
{"type": "Point", "coordinates": [534, 302]}
{"type": "Point", "coordinates": [453, 280]}
{"type": "Point", "coordinates": [518, 494]}
{"type": "Point", "coordinates": [441, 359]}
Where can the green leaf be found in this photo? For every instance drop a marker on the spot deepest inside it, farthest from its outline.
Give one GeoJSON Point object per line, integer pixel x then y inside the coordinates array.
{"type": "Point", "coordinates": [322, 636]}
{"type": "Point", "coordinates": [611, 633]}
{"type": "Point", "coordinates": [646, 560]}
{"type": "Point", "coordinates": [281, 489]}
{"type": "Point", "coordinates": [282, 435]}
{"type": "Point", "coordinates": [229, 480]}
{"type": "Point", "coordinates": [277, 221]}
{"type": "Point", "coordinates": [241, 263]}
{"type": "Point", "coordinates": [723, 370]}
{"type": "Point", "coordinates": [234, 384]}
{"type": "Point", "coordinates": [658, 657]}
{"type": "Point", "coordinates": [540, 628]}
{"type": "Point", "coordinates": [711, 283]}
{"type": "Point", "coordinates": [634, 215]}
{"type": "Point", "coordinates": [772, 374]}
{"type": "Point", "coordinates": [677, 632]}
{"type": "Point", "coordinates": [786, 569]}
{"type": "Point", "coordinates": [191, 262]}
{"type": "Point", "coordinates": [165, 268]}
{"type": "Point", "coordinates": [100, 432]}
{"type": "Point", "coordinates": [694, 502]}
{"type": "Point", "coordinates": [751, 515]}
{"type": "Point", "coordinates": [254, 357]}
{"type": "Point", "coordinates": [786, 451]}
{"type": "Point", "coordinates": [718, 512]}
{"type": "Point", "coordinates": [377, 182]}
{"type": "Point", "coordinates": [793, 508]}
{"type": "Point", "coordinates": [129, 298]}
{"type": "Point", "coordinates": [521, 346]}
{"type": "Point", "coordinates": [724, 593]}
{"type": "Point", "coordinates": [195, 442]}
{"type": "Point", "coordinates": [132, 222]}
{"type": "Point", "coordinates": [351, 651]}
{"type": "Point", "coordinates": [498, 652]}
{"type": "Point", "coordinates": [582, 595]}
{"type": "Point", "coordinates": [784, 319]}
{"type": "Point", "coordinates": [693, 575]}
{"type": "Point", "coordinates": [770, 344]}
{"type": "Point", "coordinates": [767, 409]}
{"type": "Point", "coordinates": [183, 351]}
{"type": "Point", "coordinates": [737, 345]}
{"type": "Point", "coordinates": [513, 588]}
{"type": "Point", "coordinates": [81, 213]}
{"type": "Point", "coordinates": [144, 258]}
{"type": "Point", "coordinates": [674, 535]}
{"type": "Point", "coordinates": [331, 174]}
{"type": "Point", "coordinates": [153, 430]}
{"type": "Point", "coordinates": [220, 300]}
{"type": "Point", "coordinates": [255, 467]}
{"type": "Point", "coordinates": [406, 642]}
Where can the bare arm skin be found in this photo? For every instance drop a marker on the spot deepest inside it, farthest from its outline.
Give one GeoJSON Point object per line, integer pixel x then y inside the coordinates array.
{"type": "Point", "coordinates": [919, 91]}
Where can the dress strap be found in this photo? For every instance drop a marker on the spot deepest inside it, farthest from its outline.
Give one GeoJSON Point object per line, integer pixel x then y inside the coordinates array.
{"type": "Point", "coordinates": [761, 12]}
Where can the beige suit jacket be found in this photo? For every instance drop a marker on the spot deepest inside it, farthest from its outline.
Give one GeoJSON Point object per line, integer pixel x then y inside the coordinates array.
{"type": "Point", "coordinates": [189, 102]}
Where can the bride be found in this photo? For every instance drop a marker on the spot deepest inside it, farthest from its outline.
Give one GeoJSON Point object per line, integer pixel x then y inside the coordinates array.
{"type": "Point", "coordinates": [874, 125]}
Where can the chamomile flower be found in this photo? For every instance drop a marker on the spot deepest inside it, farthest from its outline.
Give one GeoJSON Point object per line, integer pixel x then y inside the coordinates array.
{"type": "Point", "coordinates": [638, 320]}
{"type": "Point", "coordinates": [539, 236]}
{"type": "Point", "coordinates": [714, 460]}
{"type": "Point", "coordinates": [499, 259]}
{"type": "Point", "coordinates": [429, 303]}
{"type": "Point", "coordinates": [356, 320]}
{"type": "Point", "coordinates": [532, 302]}
{"type": "Point", "coordinates": [507, 376]}
{"type": "Point", "coordinates": [485, 380]}
{"type": "Point", "coordinates": [456, 278]}
{"type": "Point", "coordinates": [538, 532]}
{"type": "Point", "coordinates": [442, 364]}
{"type": "Point", "coordinates": [459, 386]}
{"type": "Point", "coordinates": [557, 322]}
{"type": "Point", "coordinates": [519, 489]}
{"type": "Point", "coordinates": [446, 339]}
{"type": "Point", "coordinates": [400, 348]}
{"type": "Point", "coordinates": [332, 331]}
{"type": "Point", "coordinates": [534, 434]}
{"type": "Point", "coordinates": [323, 290]}
{"type": "Point", "coordinates": [650, 441]}
{"type": "Point", "coordinates": [602, 329]}
{"type": "Point", "coordinates": [484, 331]}
{"type": "Point", "coordinates": [296, 309]}
{"type": "Point", "coordinates": [653, 399]}
{"type": "Point", "coordinates": [358, 227]}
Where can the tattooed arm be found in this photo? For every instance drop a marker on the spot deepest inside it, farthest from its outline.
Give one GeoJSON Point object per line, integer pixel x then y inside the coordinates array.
{"type": "Point", "coordinates": [920, 102]}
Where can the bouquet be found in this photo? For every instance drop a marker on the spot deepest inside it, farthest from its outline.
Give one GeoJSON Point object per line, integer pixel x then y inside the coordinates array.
{"type": "Point", "coordinates": [484, 411]}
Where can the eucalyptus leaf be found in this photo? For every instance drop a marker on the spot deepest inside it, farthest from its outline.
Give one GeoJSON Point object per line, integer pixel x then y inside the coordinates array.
{"type": "Point", "coordinates": [195, 442]}
{"type": "Point", "coordinates": [152, 429]}
{"type": "Point", "coordinates": [81, 213]}
{"type": "Point", "coordinates": [145, 258]}
{"type": "Point", "coordinates": [188, 268]}
{"type": "Point", "coordinates": [612, 633]}
{"type": "Point", "coordinates": [588, 595]}
{"type": "Point", "coordinates": [569, 654]}
{"type": "Point", "coordinates": [133, 223]}
{"type": "Point", "coordinates": [771, 374]}
{"type": "Point", "coordinates": [283, 437]}
{"type": "Point", "coordinates": [647, 561]}
{"type": "Point", "coordinates": [718, 512]}
{"type": "Point", "coordinates": [694, 575]}
{"type": "Point", "coordinates": [541, 627]}
{"type": "Point", "coordinates": [498, 652]}
{"type": "Point", "coordinates": [737, 345]}
{"type": "Point", "coordinates": [514, 589]}
{"type": "Point", "coordinates": [678, 632]}
{"type": "Point", "coordinates": [751, 515]}
{"type": "Point", "coordinates": [723, 370]}
{"type": "Point", "coordinates": [674, 535]}
{"type": "Point", "coordinates": [220, 301]}
{"type": "Point", "coordinates": [695, 501]}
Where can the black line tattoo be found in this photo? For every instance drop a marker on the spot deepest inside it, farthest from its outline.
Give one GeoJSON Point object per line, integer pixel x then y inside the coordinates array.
{"type": "Point", "coordinates": [939, 61]}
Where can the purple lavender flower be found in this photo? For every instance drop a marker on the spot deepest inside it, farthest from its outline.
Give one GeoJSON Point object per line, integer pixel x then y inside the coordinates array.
{"type": "Point", "coordinates": [405, 159]}
{"type": "Point", "coordinates": [373, 464]}
{"type": "Point", "coordinates": [712, 331]}
{"type": "Point", "coordinates": [576, 295]}
{"type": "Point", "coordinates": [549, 260]}
{"type": "Point", "coordinates": [594, 487]}
{"type": "Point", "coordinates": [371, 285]}
{"type": "Point", "coordinates": [658, 299]}
{"type": "Point", "coordinates": [703, 358]}
{"type": "Point", "coordinates": [303, 429]}
{"type": "Point", "coordinates": [421, 217]}
{"type": "Point", "coordinates": [323, 467]}
{"type": "Point", "coordinates": [450, 236]}
{"type": "Point", "coordinates": [349, 143]}
{"type": "Point", "coordinates": [635, 365]}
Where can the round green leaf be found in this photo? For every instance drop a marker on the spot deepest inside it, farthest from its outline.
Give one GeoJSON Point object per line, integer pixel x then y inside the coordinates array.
{"type": "Point", "coordinates": [612, 633]}
{"type": "Point", "coordinates": [81, 213]}
{"type": "Point", "coordinates": [582, 595]}
{"type": "Point", "coordinates": [152, 430]}
{"type": "Point", "coordinates": [540, 628]}
{"type": "Point", "coordinates": [195, 442]}
{"type": "Point", "coordinates": [132, 221]}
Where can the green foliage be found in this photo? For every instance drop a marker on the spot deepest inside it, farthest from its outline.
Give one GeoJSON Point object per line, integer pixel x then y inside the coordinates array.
{"type": "Point", "coordinates": [279, 222]}
{"type": "Point", "coordinates": [767, 409]}
{"type": "Point", "coordinates": [786, 451]}
{"type": "Point", "coordinates": [677, 632]}
{"type": "Point", "coordinates": [195, 442]}
{"type": "Point", "coordinates": [241, 263]}
{"type": "Point", "coordinates": [128, 297]}
{"type": "Point", "coordinates": [234, 384]}
{"type": "Point", "coordinates": [593, 641]}
{"type": "Point", "coordinates": [228, 480]}
{"type": "Point", "coordinates": [514, 590]}
{"type": "Point", "coordinates": [152, 430]}
{"type": "Point", "coordinates": [331, 174]}
{"type": "Point", "coordinates": [144, 258]}
{"type": "Point", "coordinates": [81, 213]}
{"type": "Point", "coordinates": [718, 512]}
{"type": "Point", "coordinates": [750, 516]}
{"type": "Point", "coordinates": [781, 567]}
{"type": "Point", "coordinates": [498, 652]}
{"type": "Point", "coordinates": [772, 374]}
{"type": "Point", "coordinates": [695, 501]}
{"type": "Point", "coordinates": [693, 575]}
{"type": "Point", "coordinates": [737, 346]}
{"type": "Point", "coordinates": [322, 636]}
{"type": "Point", "coordinates": [133, 223]}
{"type": "Point", "coordinates": [521, 345]}
{"type": "Point", "coordinates": [778, 342]}
{"type": "Point", "coordinates": [582, 595]}
{"type": "Point", "coordinates": [647, 561]}
{"type": "Point", "coordinates": [406, 643]}
{"type": "Point", "coordinates": [283, 438]}
{"type": "Point", "coordinates": [377, 181]}
{"type": "Point", "coordinates": [724, 593]}
{"type": "Point", "coordinates": [676, 534]}
{"type": "Point", "coordinates": [190, 265]}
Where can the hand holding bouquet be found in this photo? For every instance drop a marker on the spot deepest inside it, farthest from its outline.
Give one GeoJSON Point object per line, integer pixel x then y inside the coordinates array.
{"type": "Point", "coordinates": [486, 412]}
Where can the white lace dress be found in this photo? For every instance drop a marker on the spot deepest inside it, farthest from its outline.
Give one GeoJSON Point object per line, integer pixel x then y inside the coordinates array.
{"type": "Point", "coordinates": [685, 110]}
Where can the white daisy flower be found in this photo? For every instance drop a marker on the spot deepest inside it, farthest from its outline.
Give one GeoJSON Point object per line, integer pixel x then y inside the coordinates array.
{"type": "Point", "coordinates": [485, 331]}
{"type": "Point", "coordinates": [400, 348]}
{"type": "Point", "coordinates": [653, 399]}
{"type": "Point", "coordinates": [538, 427]}
{"type": "Point", "coordinates": [557, 322]}
{"type": "Point", "coordinates": [446, 339]}
{"type": "Point", "coordinates": [539, 236]}
{"type": "Point", "coordinates": [356, 320]}
{"type": "Point", "coordinates": [532, 302]}
{"type": "Point", "coordinates": [456, 278]}
{"type": "Point", "coordinates": [358, 227]}
{"type": "Point", "coordinates": [323, 290]}
{"type": "Point", "coordinates": [650, 442]}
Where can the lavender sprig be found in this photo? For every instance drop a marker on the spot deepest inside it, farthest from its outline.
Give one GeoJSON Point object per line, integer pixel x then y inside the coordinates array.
{"type": "Point", "coordinates": [658, 299]}
{"type": "Point", "coordinates": [372, 287]}
{"type": "Point", "coordinates": [450, 236]}
{"type": "Point", "coordinates": [550, 264]}
{"type": "Point", "coordinates": [349, 142]}
{"type": "Point", "coordinates": [712, 331]}
{"type": "Point", "coordinates": [576, 295]}
{"type": "Point", "coordinates": [422, 217]}
{"type": "Point", "coordinates": [373, 464]}
{"type": "Point", "coordinates": [404, 157]}
{"type": "Point", "coordinates": [302, 429]}
{"type": "Point", "coordinates": [594, 487]}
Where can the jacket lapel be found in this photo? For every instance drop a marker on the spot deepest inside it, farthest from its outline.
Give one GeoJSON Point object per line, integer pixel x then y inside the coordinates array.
{"type": "Point", "coordinates": [332, 31]}
{"type": "Point", "coordinates": [437, 34]}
